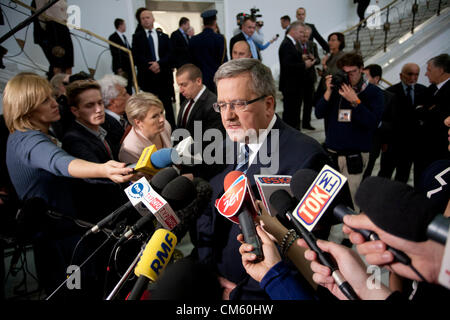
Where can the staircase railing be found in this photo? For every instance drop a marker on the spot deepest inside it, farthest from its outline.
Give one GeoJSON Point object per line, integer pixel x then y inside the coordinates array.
{"type": "Point", "coordinates": [92, 34]}
{"type": "Point", "coordinates": [390, 23]}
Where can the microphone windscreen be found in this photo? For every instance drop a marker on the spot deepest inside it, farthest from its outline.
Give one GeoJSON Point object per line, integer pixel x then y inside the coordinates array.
{"type": "Point", "coordinates": [282, 201]}
{"type": "Point", "coordinates": [230, 178]}
{"type": "Point", "coordinates": [301, 181]}
{"type": "Point", "coordinates": [395, 207]}
{"type": "Point", "coordinates": [162, 178]}
{"type": "Point", "coordinates": [179, 192]}
{"type": "Point", "coordinates": [163, 158]}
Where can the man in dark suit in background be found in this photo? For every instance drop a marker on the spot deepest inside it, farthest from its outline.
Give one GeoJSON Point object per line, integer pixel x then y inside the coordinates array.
{"type": "Point", "coordinates": [433, 140]}
{"type": "Point", "coordinates": [292, 74]}
{"type": "Point", "coordinates": [309, 52]}
{"type": "Point", "coordinates": [208, 49]}
{"type": "Point", "coordinates": [247, 30]}
{"type": "Point", "coordinates": [120, 59]}
{"type": "Point", "coordinates": [246, 102]}
{"type": "Point", "coordinates": [399, 154]}
{"type": "Point", "coordinates": [301, 16]}
{"type": "Point", "coordinates": [180, 43]}
{"type": "Point", "coordinates": [152, 52]}
{"type": "Point", "coordinates": [199, 101]}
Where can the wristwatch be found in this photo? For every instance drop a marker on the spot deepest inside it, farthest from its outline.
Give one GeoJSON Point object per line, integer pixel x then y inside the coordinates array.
{"type": "Point", "coordinates": [355, 103]}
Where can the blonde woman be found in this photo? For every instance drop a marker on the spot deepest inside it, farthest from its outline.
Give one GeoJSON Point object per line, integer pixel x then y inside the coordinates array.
{"type": "Point", "coordinates": [145, 112]}
{"type": "Point", "coordinates": [38, 167]}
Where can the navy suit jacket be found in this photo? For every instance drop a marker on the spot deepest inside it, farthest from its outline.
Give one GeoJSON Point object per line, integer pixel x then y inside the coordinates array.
{"type": "Point", "coordinates": [180, 47]}
{"type": "Point", "coordinates": [160, 83]}
{"type": "Point", "coordinates": [120, 59]}
{"type": "Point", "coordinates": [292, 67]}
{"type": "Point", "coordinates": [217, 244]}
{"type": "Point", "coordinates": [99, 197]}
{"type": "Point", "coordinates": [208, 52]}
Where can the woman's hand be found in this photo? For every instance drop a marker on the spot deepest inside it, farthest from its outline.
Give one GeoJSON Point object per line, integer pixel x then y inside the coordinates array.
{"type": "Point", "coordinates": [117, 171]}
{"type": "Point", "coordinates": [271, 256]}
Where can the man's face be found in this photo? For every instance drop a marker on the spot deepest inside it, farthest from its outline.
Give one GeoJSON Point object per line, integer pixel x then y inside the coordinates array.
{"type": "Point", "coordinates": [304, 36]}
{"type": "Point", "coordinates": [297, 33]}
{"type": "Point", "coordinates": [354, 74]}
{"type": "Point", "coordinates": [433, 73]}
{"type": "Point", "coordinates": [369, 78]}
{"type": "Point", "coordinates": [123, 27]}
{"type": "Point", "coordinates": [249, 27]}
{"type": "Point", "coordinates": [255, 117]}
{"type": "Point", "coordinates": [189, 88]}
{"type": "Point", "coordinates": [121, 100]}
{"type": "Point", "coordinates": [284, 23]}
{"type": "Point", "coordinates": [186, 26]}
{"type": "Point", "coordinates": [410, 74]}
{"type": "Point", "coordinates": [301, 15]}
{"type": "Point", "coordinates": [147, 19]}
{"type": "Point", "coordinates": [241, 50]}
{"type": "Point", "coordinates": [90, 110]}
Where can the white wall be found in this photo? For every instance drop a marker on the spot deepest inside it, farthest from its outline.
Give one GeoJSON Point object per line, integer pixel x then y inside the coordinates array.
{"type": "Point", "coordinates": [341, 14]}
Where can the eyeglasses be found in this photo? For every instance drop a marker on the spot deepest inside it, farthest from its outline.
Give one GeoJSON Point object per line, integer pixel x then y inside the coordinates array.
{"type": "Point", "coordinates": [236, 105]}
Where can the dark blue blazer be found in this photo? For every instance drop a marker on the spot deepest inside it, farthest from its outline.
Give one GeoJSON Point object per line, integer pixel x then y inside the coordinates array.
{"type": "Point", "coordinates": [216, 236]}
{"type": "Point", "coordinates": [208, 52]}
{"type": "Point", "coordinates": [148, 81]}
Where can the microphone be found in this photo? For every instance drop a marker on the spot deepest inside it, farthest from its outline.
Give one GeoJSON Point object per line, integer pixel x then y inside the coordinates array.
{"type": "Point", "coordinates": [284, 203]}
{"type": "Point", "coordinates": [268, 184]}
{"type": "Point", "coordinates": [176, 195]}
{"type": "Point", "coordinates": [153, 261]}
{"type": "Point", "coordinates": [158, 182]}
{"type": "Point", "coordinates": [153, 160]}
{"type": "Point", "coordinates": [438, 229]}
{"type": "Point", "coordinates": [238, 205]}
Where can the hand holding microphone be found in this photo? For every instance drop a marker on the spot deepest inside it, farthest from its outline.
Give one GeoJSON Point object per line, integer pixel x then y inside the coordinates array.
{"type": "Point", "coordinates": [350, 265]}
{"type": "Point", "coordinates": [257, 269]}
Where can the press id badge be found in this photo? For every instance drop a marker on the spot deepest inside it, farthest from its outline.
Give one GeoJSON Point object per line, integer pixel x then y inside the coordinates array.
{"type": "Point", "coordinates": [345, 115]}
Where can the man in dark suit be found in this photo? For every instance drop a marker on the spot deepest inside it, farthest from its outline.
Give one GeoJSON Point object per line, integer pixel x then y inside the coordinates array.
{"type": "Point", "coordinates": [152, 52]}
{"type": "Point", "coordinates": [433, 142]}
{"type": "Point", "coordinates": [264, 145]}
{"type": "Point", "coordinates": [180, 43]}
{"type": "Point", "coordinates": [309, 52]}
{"type": "Point", "coordinates": [301, 16]}
{"type": "Point", "coordinates": [247, 30]}
{"type": "Point", "coordinates": [208, 49]}
{"type": "Point", "coordinates": [399, 154]}
{"type": "Point", "coordinates": [199, 102]}
{"type": "Point", "coordinates": [292, 74]}
{"type": "Point", "coordinates": [120, 59]}
{"type": "Point", "coordinates": [115, 99]}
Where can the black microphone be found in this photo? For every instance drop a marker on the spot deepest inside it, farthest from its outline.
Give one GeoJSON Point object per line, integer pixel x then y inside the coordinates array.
{"type": "Point", "coordinates": [284, 203]}
{"type": "Point", "coordinates": [106, 220]}
{"type": "Point", "coordinates": [438, 229]}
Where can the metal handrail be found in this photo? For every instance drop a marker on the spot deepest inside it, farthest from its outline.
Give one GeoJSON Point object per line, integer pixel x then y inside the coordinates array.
{"type": "Point", "coordinates": [128, 51]}
{"type": "Point", "coordinates": [365, 19]}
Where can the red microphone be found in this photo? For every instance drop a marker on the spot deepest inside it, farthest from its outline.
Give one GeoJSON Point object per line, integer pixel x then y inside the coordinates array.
{"type": "Point", "coordinates": [238, 205]}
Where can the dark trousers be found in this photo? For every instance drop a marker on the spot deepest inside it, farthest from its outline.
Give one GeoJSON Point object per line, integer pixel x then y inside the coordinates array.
{"type": "Point", "coordinates": [362, 6]}
{"type": "Point", "coordinates": [373, 154]}
{"type": "Point", "coordinates": [398, 159]}
{"type": "Point", "coordinates": [308, 97]}
{"type": "Point", "coordinates": [292, 105]}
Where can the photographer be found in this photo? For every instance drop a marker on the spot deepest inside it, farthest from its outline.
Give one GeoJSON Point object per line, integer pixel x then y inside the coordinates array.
{"type": "Point", "coordinates": [352, 109]}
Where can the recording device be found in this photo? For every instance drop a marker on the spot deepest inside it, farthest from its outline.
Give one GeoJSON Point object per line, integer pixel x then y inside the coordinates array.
{"type": "Point", "coordinates": [284, 203]}
{"type": "Point", "coordinates": [268, 184]}
{"type": "Point", "coordinates": [339, 78]}
{"type": "Point", "coordinates": [238, 205]}
{"type": "Point", "coordinates": [153, 261]}
{"type": "Point", "coordinates": [253, 13]}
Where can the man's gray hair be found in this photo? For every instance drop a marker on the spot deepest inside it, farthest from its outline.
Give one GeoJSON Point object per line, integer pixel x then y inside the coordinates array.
{"type": "Point", "coordinates": [262, 80]}
{"type": "Point", "coordinates": [296, 24]}
{"type": "Point", "coordinates": [108, 85]}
